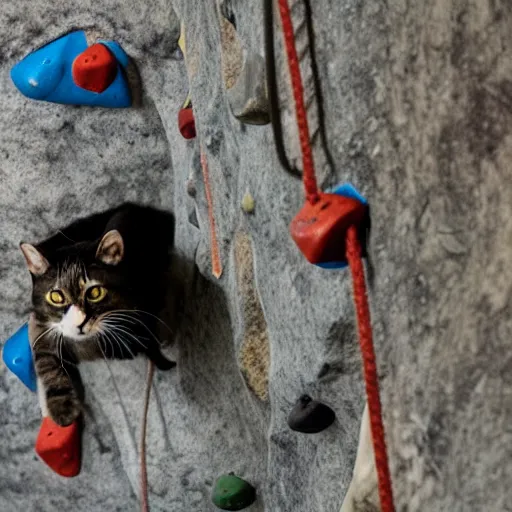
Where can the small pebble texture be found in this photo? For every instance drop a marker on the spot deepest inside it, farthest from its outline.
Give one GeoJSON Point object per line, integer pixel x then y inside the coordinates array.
{"type": "Point", "coordinates": [416, 98]}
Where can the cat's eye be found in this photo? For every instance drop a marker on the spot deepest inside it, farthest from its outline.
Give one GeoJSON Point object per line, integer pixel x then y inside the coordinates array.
{"type": "Point", "coordinates": [96, 293]}
{"type": "Point", "coordinates": [56, 298]}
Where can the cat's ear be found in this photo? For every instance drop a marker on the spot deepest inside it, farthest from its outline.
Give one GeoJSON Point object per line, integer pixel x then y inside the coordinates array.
{"type": "Point", "coordinates": [37, 264]}
{"type": "Point", "coordinates": [111, 248]}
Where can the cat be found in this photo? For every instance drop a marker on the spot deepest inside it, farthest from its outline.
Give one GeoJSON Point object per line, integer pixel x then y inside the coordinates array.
{"type": "Point", "coordinates": [98, 286]}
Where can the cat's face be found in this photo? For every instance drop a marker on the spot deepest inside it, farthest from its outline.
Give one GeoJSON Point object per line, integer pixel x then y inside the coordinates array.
{"type": "Point", "coordinates": [80, 294]}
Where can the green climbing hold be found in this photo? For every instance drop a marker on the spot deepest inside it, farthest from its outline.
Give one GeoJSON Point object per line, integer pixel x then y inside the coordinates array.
{"type": "Point", "coordinates": [233, 493]}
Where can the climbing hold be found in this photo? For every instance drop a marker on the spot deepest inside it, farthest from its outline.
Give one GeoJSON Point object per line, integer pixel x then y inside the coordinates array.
{"type": "Point", "coordinates": [309, 416]}
{"type": "Point", "coordinates": [254, 355]}
{"type": "Point", "coordinates": [248, 98]}
{"type": "Point", "coordinates": [348, 190]}
{"type": "Point", "coordinates": [181, 40]}
{"type": "Point", "coordinates": [118, 52]}
{"type": "Point", "coordinates": [60, 447]}
{"type": "Point", "coordinates": [95, 68]}
{"type": "Point", "coordinates": [319, 228]}
{"type": "Point", "coordinates": [191, 187]}
{"type": "Point", "coordinates": [232, 54]}
{"type": "Point", "coordinates": [58, 73]}
{"type": "Point", "coordinates": [233, 493]}
{"type": "Point", "coordinates": [248, 203]}
{"type": "Point", "coordinates": [17, 356]}
{"type": "Point", "coordinates": [214, 244]}
{"type": "Point", "coordinates": [192, 218]}
{"type": "Point", "coordinates": [186, 123]}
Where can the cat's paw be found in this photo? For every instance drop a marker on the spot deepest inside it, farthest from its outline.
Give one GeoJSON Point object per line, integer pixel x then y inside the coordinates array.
{"type": "Point", "coordinates": [164, 364]}
{"type": "Point", "coordinates": [161, 362]}
{"type": "Point", "coordinates": [64, 409]}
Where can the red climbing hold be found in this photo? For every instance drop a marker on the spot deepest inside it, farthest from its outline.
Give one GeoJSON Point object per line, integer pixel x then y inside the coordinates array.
{"type": "Point", "coordinates": [95, 68]}
{"type": "Point", "coordinates": [59, 447]}
{"type": "Point", "coordinates": [319, 229]}
{"type": "Point", "coordinates": [186, 123]}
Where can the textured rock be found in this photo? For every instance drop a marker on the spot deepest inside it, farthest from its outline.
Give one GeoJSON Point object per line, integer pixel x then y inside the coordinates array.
{"type": "Point", "coordinates": [415, 102]}
{"type": "Point", "coordinates": [255, 351]}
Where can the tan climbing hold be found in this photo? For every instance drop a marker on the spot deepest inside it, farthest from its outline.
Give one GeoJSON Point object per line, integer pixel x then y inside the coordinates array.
{"type": "Point", "coordinates": [254, 356]}
{"type": "Point", "coordinates": [232, 55]}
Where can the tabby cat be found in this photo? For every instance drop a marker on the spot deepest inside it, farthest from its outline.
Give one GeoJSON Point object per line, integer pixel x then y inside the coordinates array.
{"type": "Point", "coordinates": [98, 287]}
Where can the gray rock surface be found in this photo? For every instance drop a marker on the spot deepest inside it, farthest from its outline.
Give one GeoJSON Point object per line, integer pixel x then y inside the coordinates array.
{"type": "Point", "coordinates": [248, 97]}
{"type": "Point", "coordinates": [417, 98]}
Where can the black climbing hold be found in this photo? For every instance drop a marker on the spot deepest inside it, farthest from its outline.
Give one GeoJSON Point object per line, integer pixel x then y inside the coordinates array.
{"type": "Point", "coordinates": [191, 187]}
{"type": "Point", "coordinates": [233, 493]}
{"type": "Point", "coordinates": [309, 416]}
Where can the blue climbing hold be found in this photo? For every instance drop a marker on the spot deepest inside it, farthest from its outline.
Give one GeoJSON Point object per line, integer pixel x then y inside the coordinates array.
{"type": "Point", "coordinates": [346, 190]}
{"type": "Point", "coordinates": [46, 74]}
{"type": "Point", "coordinates": [17, 356]}
{"type": "Point", "coordinates": [118, 52]}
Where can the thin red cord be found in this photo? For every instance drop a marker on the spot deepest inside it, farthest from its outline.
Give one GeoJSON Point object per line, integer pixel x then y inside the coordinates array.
{"type": "Point", "coordinates": [370, 369]}
{"type": "Point", "coordinates": [144, 501]}
{"type": "Point", "coordinates": [308, 171]}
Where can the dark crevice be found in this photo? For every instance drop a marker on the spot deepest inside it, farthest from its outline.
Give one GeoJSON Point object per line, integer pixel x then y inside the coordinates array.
{"type": "Point", "coordinates": [318, 87]}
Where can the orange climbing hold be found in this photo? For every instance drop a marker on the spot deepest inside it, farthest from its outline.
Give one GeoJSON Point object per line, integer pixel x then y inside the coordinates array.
{"type": "Point", "coordinates": [214, 244]}
{"type": "Point", "coordinates": [60, 447]}
{"type": "Point", "coordinates": [319, 229]}
{"type": "Point", "coordinates": [95, 68]}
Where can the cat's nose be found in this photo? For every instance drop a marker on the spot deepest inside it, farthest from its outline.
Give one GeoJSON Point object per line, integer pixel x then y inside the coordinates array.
{"type": "Point", "coordinates": [77, 316]}
{"type": "Point", "coordinates": [81, 326]}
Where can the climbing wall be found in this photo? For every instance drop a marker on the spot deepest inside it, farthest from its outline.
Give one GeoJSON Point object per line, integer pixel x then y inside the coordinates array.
{"type": "Point", "coordinates": [251, 343]}
{"type": "Point", "coordinates": [405, 106]}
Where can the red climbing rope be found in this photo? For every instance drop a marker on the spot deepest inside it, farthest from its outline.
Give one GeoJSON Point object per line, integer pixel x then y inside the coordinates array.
{"type": "Point", "coordinates": [353, 254]}
{"type": "Point", "coordinates": [144, 501]}
{"type": "Point", "coordinates": [308, 171]}
{"type": "Point", "coordinates": [370, 369]}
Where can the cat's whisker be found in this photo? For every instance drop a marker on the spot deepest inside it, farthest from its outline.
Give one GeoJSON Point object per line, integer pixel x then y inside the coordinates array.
{"type": "Point", "coordinates": [131, 335]}
{"type": "Point", "coordinates": [106, 338]}
{"type": "Point", "coordinates": [110, 340]}
{"type": "Point", "coordinates": [123, 315]}
{"type": "Point", "coordinates": [146, 313]}
{"type": "Point", "coordinates": [120, 318]}
{"type": "Point", "coordinates": [64, 235]}
{"type": "Point", "coordinates": [55, 354]}
{"type": "Point", "coordinates": [41, 335]}
{"type": "Point", "coordinates": [115, 314]}
{"type": "Point", "coordinates": [98, 341]}
{"type": "Point", "coordinates": [119, 329]}
{"type": "Point", "coordinates": [116, 336]}
{"type": "Point", "coordinates": [59, 345]}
